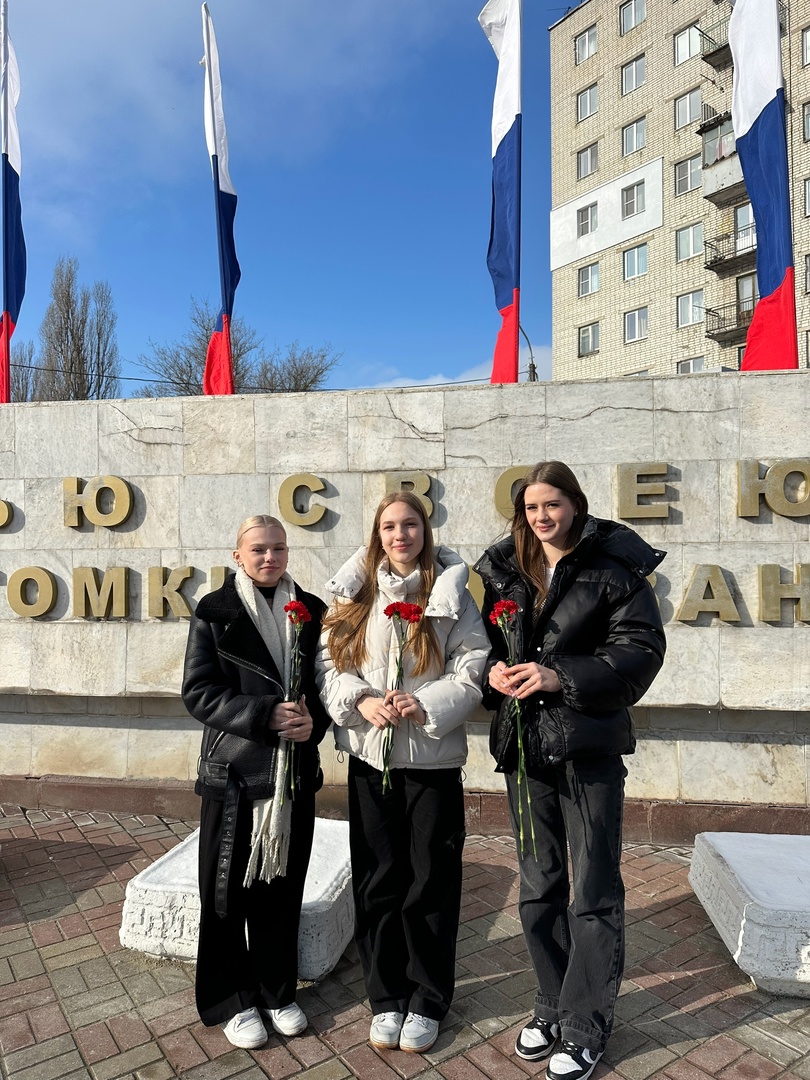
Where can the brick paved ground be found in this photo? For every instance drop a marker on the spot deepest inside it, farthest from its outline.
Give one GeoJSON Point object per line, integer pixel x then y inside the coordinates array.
{"type": "Point", "coordinates": [74, 1005]}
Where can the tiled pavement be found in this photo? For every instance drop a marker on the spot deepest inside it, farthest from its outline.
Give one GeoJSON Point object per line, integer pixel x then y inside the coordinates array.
{"type": "Point", "coordinates": [74, 1005]}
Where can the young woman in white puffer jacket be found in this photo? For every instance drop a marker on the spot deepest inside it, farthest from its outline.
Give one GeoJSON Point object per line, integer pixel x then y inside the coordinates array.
{"type": "Point", "coordinates": [406, 826]}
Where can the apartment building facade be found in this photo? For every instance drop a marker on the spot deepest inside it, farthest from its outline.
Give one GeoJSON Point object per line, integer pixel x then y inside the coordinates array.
{"type": "Point", "coordinates": [653, 242]}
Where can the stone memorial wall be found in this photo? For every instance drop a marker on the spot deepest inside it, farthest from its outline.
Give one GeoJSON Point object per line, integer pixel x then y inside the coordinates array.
{"type": "Point", "coordinates": [116, 516]}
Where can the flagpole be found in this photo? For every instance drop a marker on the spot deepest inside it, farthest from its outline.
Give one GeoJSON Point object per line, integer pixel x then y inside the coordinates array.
{"type": "Point", "coordinates": [215, 173]}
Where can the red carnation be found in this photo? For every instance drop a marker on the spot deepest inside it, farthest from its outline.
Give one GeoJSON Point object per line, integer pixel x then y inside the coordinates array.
{"type": "Point", "coordinates": [297, 612]}
{"type": "Point", "coordinates": [504, 609]}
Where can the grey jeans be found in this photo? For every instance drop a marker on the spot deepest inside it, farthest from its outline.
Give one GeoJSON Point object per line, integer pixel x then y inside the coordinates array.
{"type": "Point", "coordinates": [576, 945]}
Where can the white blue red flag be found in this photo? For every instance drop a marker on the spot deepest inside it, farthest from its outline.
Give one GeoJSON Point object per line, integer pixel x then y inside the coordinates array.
{"type": "Point", "coordinates": [14, 259]}
{"type": "Point", "coordinates": [218, 377]}
{"type": "Point", "coordinates": [758, 117]}
{"type": "Point", "coordinates": [500, 20]}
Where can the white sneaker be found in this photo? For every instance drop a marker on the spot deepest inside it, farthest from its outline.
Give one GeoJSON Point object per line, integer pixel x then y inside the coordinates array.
{"type": "Point", "coordinates": [385, 1029]}
{"type": "Point", "coordinates": [291, 1020]}
{"type": "Point", "coordinates": [419, 1033]}
{"type": "Point", "coordinates": [246, 1030]}
{"type": "Point", "coordinates": [572, 1062]}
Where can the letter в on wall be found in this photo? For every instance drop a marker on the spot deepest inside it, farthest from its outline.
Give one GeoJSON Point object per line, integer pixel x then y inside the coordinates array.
{"type": "Point", "coordinates": [504, 503]}
{"type": "Point", "coordinates": [631, 487]}
{"type": "Point", "coordinates": [772, 486]}
{"type": "Point", "coordinates": [416, 482]}
{"type": "Point", "coordinates": [719, 602]}
{"type": "Point", "coordinates": [6, 513]}
{"type": "Point", "coordinates": [110, 599]}
{"type": "Point", "coordinates": [162, 591]}
{"type": "Point", "coordinates": [286, 499]}
{"type": "Point", "coordinates": [85, 500]}
{"type": "Point", "coordinates": [17, 591]}
{"type": "Point", "coordinates": [772, 591]}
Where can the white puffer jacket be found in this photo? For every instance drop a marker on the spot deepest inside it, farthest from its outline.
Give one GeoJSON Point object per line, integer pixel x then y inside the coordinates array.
{"type": "Point", "coordinates": [447, 694]}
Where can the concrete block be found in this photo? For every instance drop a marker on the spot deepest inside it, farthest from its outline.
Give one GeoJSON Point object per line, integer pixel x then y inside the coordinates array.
{"type": "Point", "coordinates": [599, 421]}
{"type": "Point", "coordinates": [404, 430]}
{"type": "Point", "coordinates": [755, 887]}
{"type": "Point", "coordinates": [219, 436]}
{"type": "Point", "coordinates": [161, 912]}
{"type": "Point", "coordinates": [141, 437]}
{"type": "Point", "coordinates": [294, 428]}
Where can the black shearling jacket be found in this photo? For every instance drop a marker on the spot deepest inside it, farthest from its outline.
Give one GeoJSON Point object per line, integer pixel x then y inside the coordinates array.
{"type": "Point", "coordinates": [231, 685]}
{"type": "Point", "coordinates": [599, 629]}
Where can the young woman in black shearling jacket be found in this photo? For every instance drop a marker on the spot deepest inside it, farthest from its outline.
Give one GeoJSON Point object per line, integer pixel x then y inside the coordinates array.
{"type": "Point", "coordinates": [586, 643]}
{"type": "Point", "coordinates": [258, 803]}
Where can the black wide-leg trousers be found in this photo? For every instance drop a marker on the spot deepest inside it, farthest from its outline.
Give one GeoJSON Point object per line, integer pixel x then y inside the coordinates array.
{"type": "Point", "coordinates": [250, 957]}
{"type": "Point", "coordinates": [406, 850]}
{"type": "Point", "coordinates": [576, 945]}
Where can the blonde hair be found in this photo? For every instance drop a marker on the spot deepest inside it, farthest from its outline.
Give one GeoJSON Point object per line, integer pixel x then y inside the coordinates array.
{"type": "Point", "coordinates": [346, 620]}
{"type": "Point", "coordinates": [254, 522]}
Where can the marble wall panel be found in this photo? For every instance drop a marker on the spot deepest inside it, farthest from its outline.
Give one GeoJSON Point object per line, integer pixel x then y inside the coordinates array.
{"type": "Point", "coordinates": [153, 522]}
{"type": "Point", "coordinates": [7, 427]}
{"type": "Point", "coordinates": [341, 525]}
{"type": "Point", "coordinates": [697, 420]}
{"type": "Point", "coordinates": [141, 437]}
{"type": "Point", "coordinates": [96, 746]}
{"type": "Point", "coordinates": [57, 439]}
{"type": "Point", "coordinates": [503, 423]}
{"type": "Point", "coordinates": [773, 415]}
{"type": "Point", "coordinates": [78, 658]}
{"type": "Point", "coordinates": [479, 772]}
{"type": "Point", "coordinates": [768, 525]}
{"type": "Point", "coordinates": [163, 749]}
{"type": "Point", "coordinates": [652, 772]}
{"type": "Point", "coordinates": [15, 651]}
{"type": "Point", "coordinates": [765, 667]}
{"type": "Point", "coordinates": [12, 535]}
{"type": "Point", "coordinates": [760, 769]}
{"type": "Point", "coordinates": [45, 528]}
{"type": "Point", "coordinates": [693, 498]}
{"type": "Point", "coordinates": [393, 430]}
{"type": "Point", "coordinates": [691, 672]}
{"type": "Point", "coordinates": [302, 433]}
{"type": "Point", "coordinates": [155, 652]}
{"type": "Point", "coordinates": [600, 421]}
{"type": "Point", "coordinates": [219, 435]}
{"type": "Point", "coordinates": [212, 507]}
{"type": "Point", "coordinates": [17, 742]}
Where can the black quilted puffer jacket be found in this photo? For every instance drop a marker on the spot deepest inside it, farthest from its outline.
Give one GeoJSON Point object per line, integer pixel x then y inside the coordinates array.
{"type": "Point", "coordinates": [231, 685]}
{"type": "Point", "coordinates": [599, 629]}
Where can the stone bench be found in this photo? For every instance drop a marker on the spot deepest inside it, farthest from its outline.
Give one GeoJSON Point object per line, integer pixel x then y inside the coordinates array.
{"type": "Point", "coordinates": [755, 888]}
{"type": "Point", "coordinates": [161, 913]}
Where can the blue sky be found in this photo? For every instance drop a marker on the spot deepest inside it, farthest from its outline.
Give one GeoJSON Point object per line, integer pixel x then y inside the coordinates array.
{"type": "Point", "coordinates": [359, 147]}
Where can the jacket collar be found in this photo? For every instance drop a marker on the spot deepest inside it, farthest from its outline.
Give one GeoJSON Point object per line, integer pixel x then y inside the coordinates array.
{"type": "Point", "coordinates": [240, 641]}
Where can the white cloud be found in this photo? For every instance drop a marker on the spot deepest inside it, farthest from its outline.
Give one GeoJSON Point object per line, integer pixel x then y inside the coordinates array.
{"type": "Point", "coordinates": [384, 377]}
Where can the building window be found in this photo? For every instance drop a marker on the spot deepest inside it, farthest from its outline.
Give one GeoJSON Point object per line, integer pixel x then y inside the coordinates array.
{"type": "Point", "coordinates": [586, 219]}
{"type": "Point", "coordinates": [747, 296]}
{"type": "Point", "coordinates": [588, 339]}
{"type": "Point", "coordinates": [687, 108]}
{"type": "Point", "coordinates": [687, 44]}
{"type": "Point", "coordinates": [806, 47]}
{"type": "Point", "coordinates": [634, 262]}
{"type": "Point", "coordinates": [633, 199]}
{"type": "Point", "coordinates": [631, 14]}
{"type": "Point", "coordinates": [634, 136]}
{"type": "Point", "coordinates": [745, 229]}
{"type": "Point", "coordinates": [634, 74]}
{"type": "Point", "coordinates": [740, 355]}
{"type": "Point", "coordinates": [807, 198]}
{"type": "Point", "coordinates": [807, 273]}
{"type": "Point", "coordinates": [687, 175]}
{"type": "Point", "coordinates": [635, 325]}
{"type": "Point", "coordinates": [806, 120]}
{"type": "Point", "coordinates": [587, 161]}
{"type": "Point", "coordinates": [588, 279]}
{"type": "Point", "coordinates": [689, 241]}
{"type": "Point", "coordinates": [587, 102]}
{"type": "Point", "coordinates": [719, 143]}
{"type": "Point", "coordinates": [690, 308]}
{"type": "Point", "coordinates": [584, 44]}
{"type": "Point", "coordinates": [694, 363]}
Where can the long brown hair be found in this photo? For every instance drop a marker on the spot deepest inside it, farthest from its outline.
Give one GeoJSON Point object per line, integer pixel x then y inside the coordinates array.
{"type": "Point", "coordinates": [346, 619]}
{"type": "Point", "coordinates": [528, 549]}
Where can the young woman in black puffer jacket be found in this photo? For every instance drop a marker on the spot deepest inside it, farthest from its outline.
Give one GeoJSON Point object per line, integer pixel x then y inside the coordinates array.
{"type": "Point", "coordinates": [585, 642]}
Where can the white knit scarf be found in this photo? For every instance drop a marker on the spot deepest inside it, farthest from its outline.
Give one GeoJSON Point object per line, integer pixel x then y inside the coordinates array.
{"type": "Point", "coordinates": [270, 839]}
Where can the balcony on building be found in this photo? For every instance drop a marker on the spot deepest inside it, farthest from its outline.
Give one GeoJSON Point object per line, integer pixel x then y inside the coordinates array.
{"type": "Point", "coordinates": [729, 323]}
{"type": "Point", "coordinates": [732, 252]}
{"type": "Point", "coordinates": [714, 46]}
{"type": "Point", "coordinates": [723, 182]}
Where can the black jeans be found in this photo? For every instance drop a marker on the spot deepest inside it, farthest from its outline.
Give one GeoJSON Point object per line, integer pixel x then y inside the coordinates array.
{"type": "Point", "coordinates": [236, 971]}
{"type": "Point", "coordinates": [406, 849]}
{"type": "Point", "coordinates": [576, 948]}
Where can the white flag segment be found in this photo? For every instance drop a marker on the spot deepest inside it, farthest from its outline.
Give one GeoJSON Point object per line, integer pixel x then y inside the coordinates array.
{"type": "Point", "coordinates": [500, 21]}
{"type": "Point", "coordinates": [215, 135]}
{"type": "Point", "coordinates": [756, 46]}
{"type": "Point", "coordinates": [9, 94]}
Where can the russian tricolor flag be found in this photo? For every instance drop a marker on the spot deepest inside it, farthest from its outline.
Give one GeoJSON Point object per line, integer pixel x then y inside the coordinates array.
{"type": "Point", "coordinates": [14, 259]}
{"type": "Point", "coordinates": [218, 377]}
{"type": "Point", "coordinates": [500, 20]}
{"type": "Point", "coordinates": [758, 116]}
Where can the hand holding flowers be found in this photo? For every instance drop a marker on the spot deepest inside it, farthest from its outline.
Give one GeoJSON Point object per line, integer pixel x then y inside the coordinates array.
{"type": "Point", "coordinates": [401, 615]}
{"type": "Point", "coordinates": [298, 614]}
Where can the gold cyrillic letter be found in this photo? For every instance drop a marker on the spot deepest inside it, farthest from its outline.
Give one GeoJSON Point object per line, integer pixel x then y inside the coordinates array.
{"type": "Point", "coordinates": [503, 488]}
{"type": "Point", "coordinates": [719, 602]}
{"type": "Point", "coordinates": [631, 487]}
{"type": "Point", "coordinates": [772, 486]}
{"type": "Point", "coordinates": [109, 599]}
{"type": "Point", "coordinates": [87, 501]}
{"type": "Point", "coordinates": [772, 591]}
{"type": "Point", "coordinates": [418, 483]}
{"type": "Point", "coordinates": [6, 513]}
{"type": "Point", "coordinates": [286, 499]}
{"type": "Point", "coordinates": [45, 584]}
{"type": "Point", "coordinates": [163, 590]}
